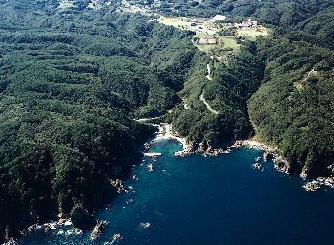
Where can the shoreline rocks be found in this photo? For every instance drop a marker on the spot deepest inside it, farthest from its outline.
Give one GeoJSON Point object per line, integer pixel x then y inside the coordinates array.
{"type": "Point", "coordinates": [257, 165]}
{"type": "Point", "coordinates": [10, 241]}
{"type": "Point", "coordinates": [269, 154]}
{"type": "Point", "coordinates": [98, 229]}
{"type": "Point", "coordinates": [311, 186]}
{"type": "Point", "coordinates": [118, 184]}
{"type": "Point", "coordinates": [145, 225]}
{"type": "Point", "coordinates": [117, 237]}
{"type": "Point", "coordinates": [318, 183]}
{"type": "Point", "coordinates": [281, 164]}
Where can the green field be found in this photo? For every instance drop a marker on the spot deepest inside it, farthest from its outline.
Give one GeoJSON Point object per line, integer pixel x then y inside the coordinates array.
{"type": "Point", "coordinates": [253, 33]}
{"type": "Point", "coordinates": [229, 42]}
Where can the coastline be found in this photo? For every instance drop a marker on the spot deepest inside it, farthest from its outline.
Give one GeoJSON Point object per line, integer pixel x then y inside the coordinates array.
{"type": "Point", "coordinates": [251, 143]}
{"type": "Point", "coordinates": [65, 227]}
{"type": "Point", "coordinates": [280, 162]}
{"type": "Point", "coordinates": [166, 132]}
{"type": "Point", "coordinates": [270, 153]}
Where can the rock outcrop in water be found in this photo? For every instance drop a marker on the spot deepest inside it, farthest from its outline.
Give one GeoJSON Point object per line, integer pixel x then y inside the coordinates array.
{"type": "Point", "coordinates": [98, 229]}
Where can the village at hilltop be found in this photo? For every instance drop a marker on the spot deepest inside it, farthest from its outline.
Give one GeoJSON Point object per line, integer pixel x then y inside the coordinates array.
{"type": "Point", "coordinates": [218, 36]}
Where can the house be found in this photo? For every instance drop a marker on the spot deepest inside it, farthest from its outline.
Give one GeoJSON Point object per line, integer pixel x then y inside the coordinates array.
{"type": "Point", "coordinates": [254, 23]}
{"type": "Point", "coordinates": [198, 20]}
{"type": "Point", "coordinates": [208, 41]}
{"type": "Point", "coordinates": [246, 24]}
{"type": "Point", "coordinates": [219, 18]}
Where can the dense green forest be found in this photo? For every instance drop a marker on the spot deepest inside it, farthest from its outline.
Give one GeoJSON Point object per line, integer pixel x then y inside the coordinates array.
{"type": "Point", "coordinates": [282, 13]}
{"type": "Point", "coordinates": [231, 86]}
{"type": "Point", "coordinates": [73, 77]}
{"type": "Point", "coordinates": [294, 108]}
{"type": "Point", "coordinates": [287, 80]}
{"type": "Point", "coordinates": [71, 81]}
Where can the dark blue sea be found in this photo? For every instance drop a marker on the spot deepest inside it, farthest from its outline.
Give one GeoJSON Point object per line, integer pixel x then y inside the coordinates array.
{"type": "Point", "coordinates": [199, 200]}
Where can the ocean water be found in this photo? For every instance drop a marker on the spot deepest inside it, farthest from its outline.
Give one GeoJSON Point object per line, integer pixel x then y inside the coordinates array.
{"type": "Point", "coordinates": [199, 200]}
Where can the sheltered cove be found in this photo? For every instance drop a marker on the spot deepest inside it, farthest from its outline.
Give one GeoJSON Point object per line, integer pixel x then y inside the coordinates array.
{"type": "Point", "coordinates": [269, 154]}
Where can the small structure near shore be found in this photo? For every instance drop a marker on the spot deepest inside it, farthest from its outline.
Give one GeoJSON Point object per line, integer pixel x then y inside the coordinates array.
{"type": "Point", "coordinates": [198, 20]}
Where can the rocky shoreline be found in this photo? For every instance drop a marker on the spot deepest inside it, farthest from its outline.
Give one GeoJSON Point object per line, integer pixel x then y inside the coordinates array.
{"type": "Point", "coordinates": [282, 165]}
{"type": "Point", "coordinates": [270, 154]}
{"type": "Point", "coordinates": [64, 225]}
{"type": "Point", "coordinates": [188, 148]}
{"type": "Point", "coordinates": [166, 132]}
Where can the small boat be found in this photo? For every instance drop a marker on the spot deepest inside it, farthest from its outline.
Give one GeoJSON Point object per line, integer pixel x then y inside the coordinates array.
{"type": "Point", "coordinates": [150, 167]}
{"type": "Point", "coordinates": [129, 201]}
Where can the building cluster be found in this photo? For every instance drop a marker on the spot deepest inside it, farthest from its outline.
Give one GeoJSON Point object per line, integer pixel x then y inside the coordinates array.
{"type": "Point", "coordinates": [208, 41]}
{"type": "Point", "coordinates": [246, 24]}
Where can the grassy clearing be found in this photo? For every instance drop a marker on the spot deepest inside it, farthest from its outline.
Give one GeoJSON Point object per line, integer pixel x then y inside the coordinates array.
{"type": "Point", "coordinates": [225, 43]}
{"type": "Point", "coordinates": [229, 42]}
{"type": "Point", "coordinates": [253, 33]}
{"type": "Point", "coordinates": [181, 23]}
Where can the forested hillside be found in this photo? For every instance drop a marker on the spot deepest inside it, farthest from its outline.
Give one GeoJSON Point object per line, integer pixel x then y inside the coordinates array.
{"type": "Point", "coordinates": [227, 92]}
{"type": "Point", "coordinates": [294, 107]}
{"type": "Point", "coordinates": [71, 82]}
{"type": "Point", "coordinates": [75, 74]}
{"type": "Point", "coordinates": [291, 77]}
{"type": "Point", "coordinates": [282, 13]}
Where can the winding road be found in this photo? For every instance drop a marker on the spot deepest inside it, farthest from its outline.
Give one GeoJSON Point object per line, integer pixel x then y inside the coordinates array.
{"type": "Point", "coordinates": [201, 97]}
{"type": "Point", "coordinates": [209, 72]}
{"type": "Point", "coordinates": [207, 104]}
